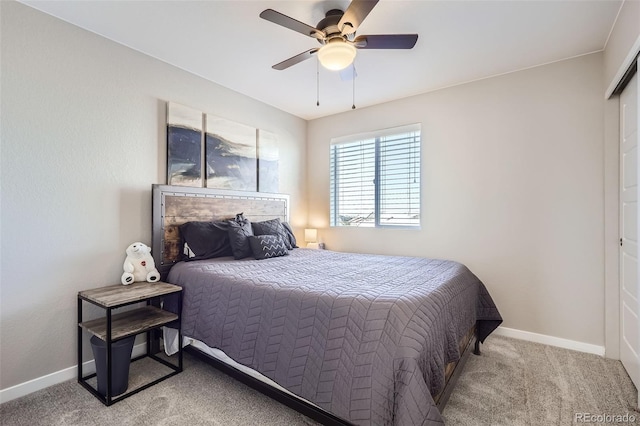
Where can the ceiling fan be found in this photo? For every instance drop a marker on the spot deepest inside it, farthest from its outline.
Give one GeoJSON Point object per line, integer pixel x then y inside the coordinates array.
{"type": "Point", "coordinates": [337, 35]}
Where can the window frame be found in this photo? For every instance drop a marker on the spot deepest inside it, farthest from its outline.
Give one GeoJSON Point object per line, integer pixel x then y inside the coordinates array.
{"type": "Point", "coordinates": [376, 136]}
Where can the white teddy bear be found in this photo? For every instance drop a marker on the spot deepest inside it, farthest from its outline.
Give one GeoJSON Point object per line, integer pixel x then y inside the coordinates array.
{"type": "Point", "coordinates": [139, 265]}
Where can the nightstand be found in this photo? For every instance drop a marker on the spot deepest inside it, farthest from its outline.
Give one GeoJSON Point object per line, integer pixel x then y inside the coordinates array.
{"type": "Point", "coordinates": [115, 327]}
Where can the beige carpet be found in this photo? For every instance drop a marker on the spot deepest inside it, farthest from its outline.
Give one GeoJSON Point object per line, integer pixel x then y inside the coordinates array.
{"type": "Point", "coordinates": [518, 383]}
{"type": "Point", "coordinates": [512, 383]}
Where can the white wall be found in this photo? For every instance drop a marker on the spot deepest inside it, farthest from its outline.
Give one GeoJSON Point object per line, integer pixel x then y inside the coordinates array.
{"type": "Point", "coordinates": [512, 186]}
{"type": "Point", "coordinates": [83, 139]}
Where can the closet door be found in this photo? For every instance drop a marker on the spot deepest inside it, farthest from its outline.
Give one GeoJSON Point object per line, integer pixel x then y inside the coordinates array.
{"type": "Point", "coordinates": [629, 304]}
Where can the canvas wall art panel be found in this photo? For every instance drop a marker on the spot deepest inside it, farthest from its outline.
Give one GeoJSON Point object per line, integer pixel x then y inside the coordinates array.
{"type": "Point", "coordinates": [230, 152]}
{"type": "Point", "coordinates": [184, 145]}
{"type": "Point", "coordinates": [268, 158]}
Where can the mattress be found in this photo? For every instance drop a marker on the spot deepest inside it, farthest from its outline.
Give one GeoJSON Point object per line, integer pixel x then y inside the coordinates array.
{"type": "Point", "coordinates": [364, 337]}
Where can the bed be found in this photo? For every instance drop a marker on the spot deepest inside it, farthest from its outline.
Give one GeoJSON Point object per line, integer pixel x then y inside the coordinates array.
{"type": "Point", "coordinates": [345, 338]}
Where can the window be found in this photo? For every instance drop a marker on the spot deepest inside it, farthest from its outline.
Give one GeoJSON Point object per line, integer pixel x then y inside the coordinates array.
{"type": "Point", "coordinates": [375, 179]}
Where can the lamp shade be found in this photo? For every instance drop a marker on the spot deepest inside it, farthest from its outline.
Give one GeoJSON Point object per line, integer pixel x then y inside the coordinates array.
{"type": "Point", "coordinates": [336, 55]}
{"type": "Point", "coordinates": [311, 235]}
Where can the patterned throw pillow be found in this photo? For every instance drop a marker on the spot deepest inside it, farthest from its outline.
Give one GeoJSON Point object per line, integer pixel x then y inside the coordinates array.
{"type": "Point", "coordinates": [272, 227]}
{"type": "Point", "coordinates": [267, 246]}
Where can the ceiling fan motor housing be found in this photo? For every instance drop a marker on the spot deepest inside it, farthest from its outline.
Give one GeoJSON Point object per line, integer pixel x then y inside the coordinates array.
{"type": "Point", "coordinates": [329, 26]}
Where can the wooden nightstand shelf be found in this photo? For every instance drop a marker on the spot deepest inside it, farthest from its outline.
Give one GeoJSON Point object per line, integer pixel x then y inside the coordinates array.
{"type": "Point", "coordinates": [114, 327]}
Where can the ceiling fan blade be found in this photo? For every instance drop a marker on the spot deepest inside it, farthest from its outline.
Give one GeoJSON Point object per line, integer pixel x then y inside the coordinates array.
{"type": "Point", "coordinates": [288, 22]}
{"type": "Point", "coordinates": [386, 41]}
{"type": "Point", "coordinates": [355, 14]}
{"type": "Point", "coordinates": [295, 59]}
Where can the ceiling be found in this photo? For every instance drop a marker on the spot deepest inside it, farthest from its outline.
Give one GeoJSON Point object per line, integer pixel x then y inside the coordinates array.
{"type": "Point", "coordinates": [459, 41]}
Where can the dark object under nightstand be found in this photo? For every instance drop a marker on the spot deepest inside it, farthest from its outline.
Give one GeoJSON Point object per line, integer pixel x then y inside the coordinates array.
{"type": "Point", "coordinates": [115, 327]}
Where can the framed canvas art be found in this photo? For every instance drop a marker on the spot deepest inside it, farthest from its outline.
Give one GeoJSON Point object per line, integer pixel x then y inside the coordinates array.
{"type": "Point", "coordinates": [268, 158]}
{"type": "Point", "coordinates": [230, 153]}
{"type": "Point", "coordinates": [184, 145]}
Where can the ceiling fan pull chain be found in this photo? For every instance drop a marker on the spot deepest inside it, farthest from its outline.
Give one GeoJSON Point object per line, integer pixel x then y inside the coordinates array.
{"type": "Point", "coordinates": [353, 105]}
{"type": "Point", "coordinates": [318, 82]}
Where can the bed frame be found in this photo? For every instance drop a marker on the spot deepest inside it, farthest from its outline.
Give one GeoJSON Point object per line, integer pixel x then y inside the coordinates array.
{"type": "Point", "coordinates": [175, 205]}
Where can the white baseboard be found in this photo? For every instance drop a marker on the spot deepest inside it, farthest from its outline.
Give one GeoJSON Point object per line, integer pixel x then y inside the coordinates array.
{"type": "Point", "coordinates": [550, 340]}
{"type": "Point", "coordinates": [39, 383]}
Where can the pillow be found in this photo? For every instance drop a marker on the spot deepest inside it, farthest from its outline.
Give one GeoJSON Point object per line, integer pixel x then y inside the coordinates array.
{"type": "Point", "coordinates": [267, 246]}
{"type": "Point", "coordinates": [292, 238]}
{"type": "Point", "coordinates": [239, 233]}
{"type": "Point", "coordinates": [205, 240]}
{"type": "Point", "coordinates": [272, 227]}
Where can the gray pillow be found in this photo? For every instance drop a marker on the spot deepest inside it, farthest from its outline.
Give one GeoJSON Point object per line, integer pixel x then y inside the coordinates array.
{"type": "Point", "coordinates": [292, 238]}
{"type": "Point", "coordinates": [272, 227]}
{"type": "Point", "coordinates": [239, 233]}
{"type": "Point", "coordinates": [267, 246]}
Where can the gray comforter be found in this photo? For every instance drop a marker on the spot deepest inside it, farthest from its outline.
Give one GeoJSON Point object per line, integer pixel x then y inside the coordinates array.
{"type": "Point", "coordinates": [364, 337]}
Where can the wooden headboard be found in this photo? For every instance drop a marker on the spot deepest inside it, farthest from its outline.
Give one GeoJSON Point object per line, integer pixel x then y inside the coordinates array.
{"type": "Point", "coordinates": [175, 205]}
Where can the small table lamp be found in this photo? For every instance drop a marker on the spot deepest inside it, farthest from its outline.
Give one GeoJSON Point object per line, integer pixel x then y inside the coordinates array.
{"type": "Point", "coordinates": [311, 237]}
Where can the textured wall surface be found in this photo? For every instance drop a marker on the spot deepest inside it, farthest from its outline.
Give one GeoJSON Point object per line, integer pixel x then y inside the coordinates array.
{"type": "Point", "coordinates": [83, 139]}
{"type": "Point", "coordinates": [512, 186]}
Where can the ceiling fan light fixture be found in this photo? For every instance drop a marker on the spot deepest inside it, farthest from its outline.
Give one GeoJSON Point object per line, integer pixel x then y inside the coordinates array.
{"type": "Point", "coordinates": [336, 55]}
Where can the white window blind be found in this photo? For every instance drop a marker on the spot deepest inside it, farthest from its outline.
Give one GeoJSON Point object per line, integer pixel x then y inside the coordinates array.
{"type": "Point", "coordinates": [375, 179]}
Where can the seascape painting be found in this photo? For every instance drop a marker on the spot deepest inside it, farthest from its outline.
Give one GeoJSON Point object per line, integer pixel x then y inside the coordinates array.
{"type": "Point", "coordinates": [230, 152]}
{"type": "Point", "coordinates": [184, 145]}
{"type": "Point", "coordinates": [268, 157]}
